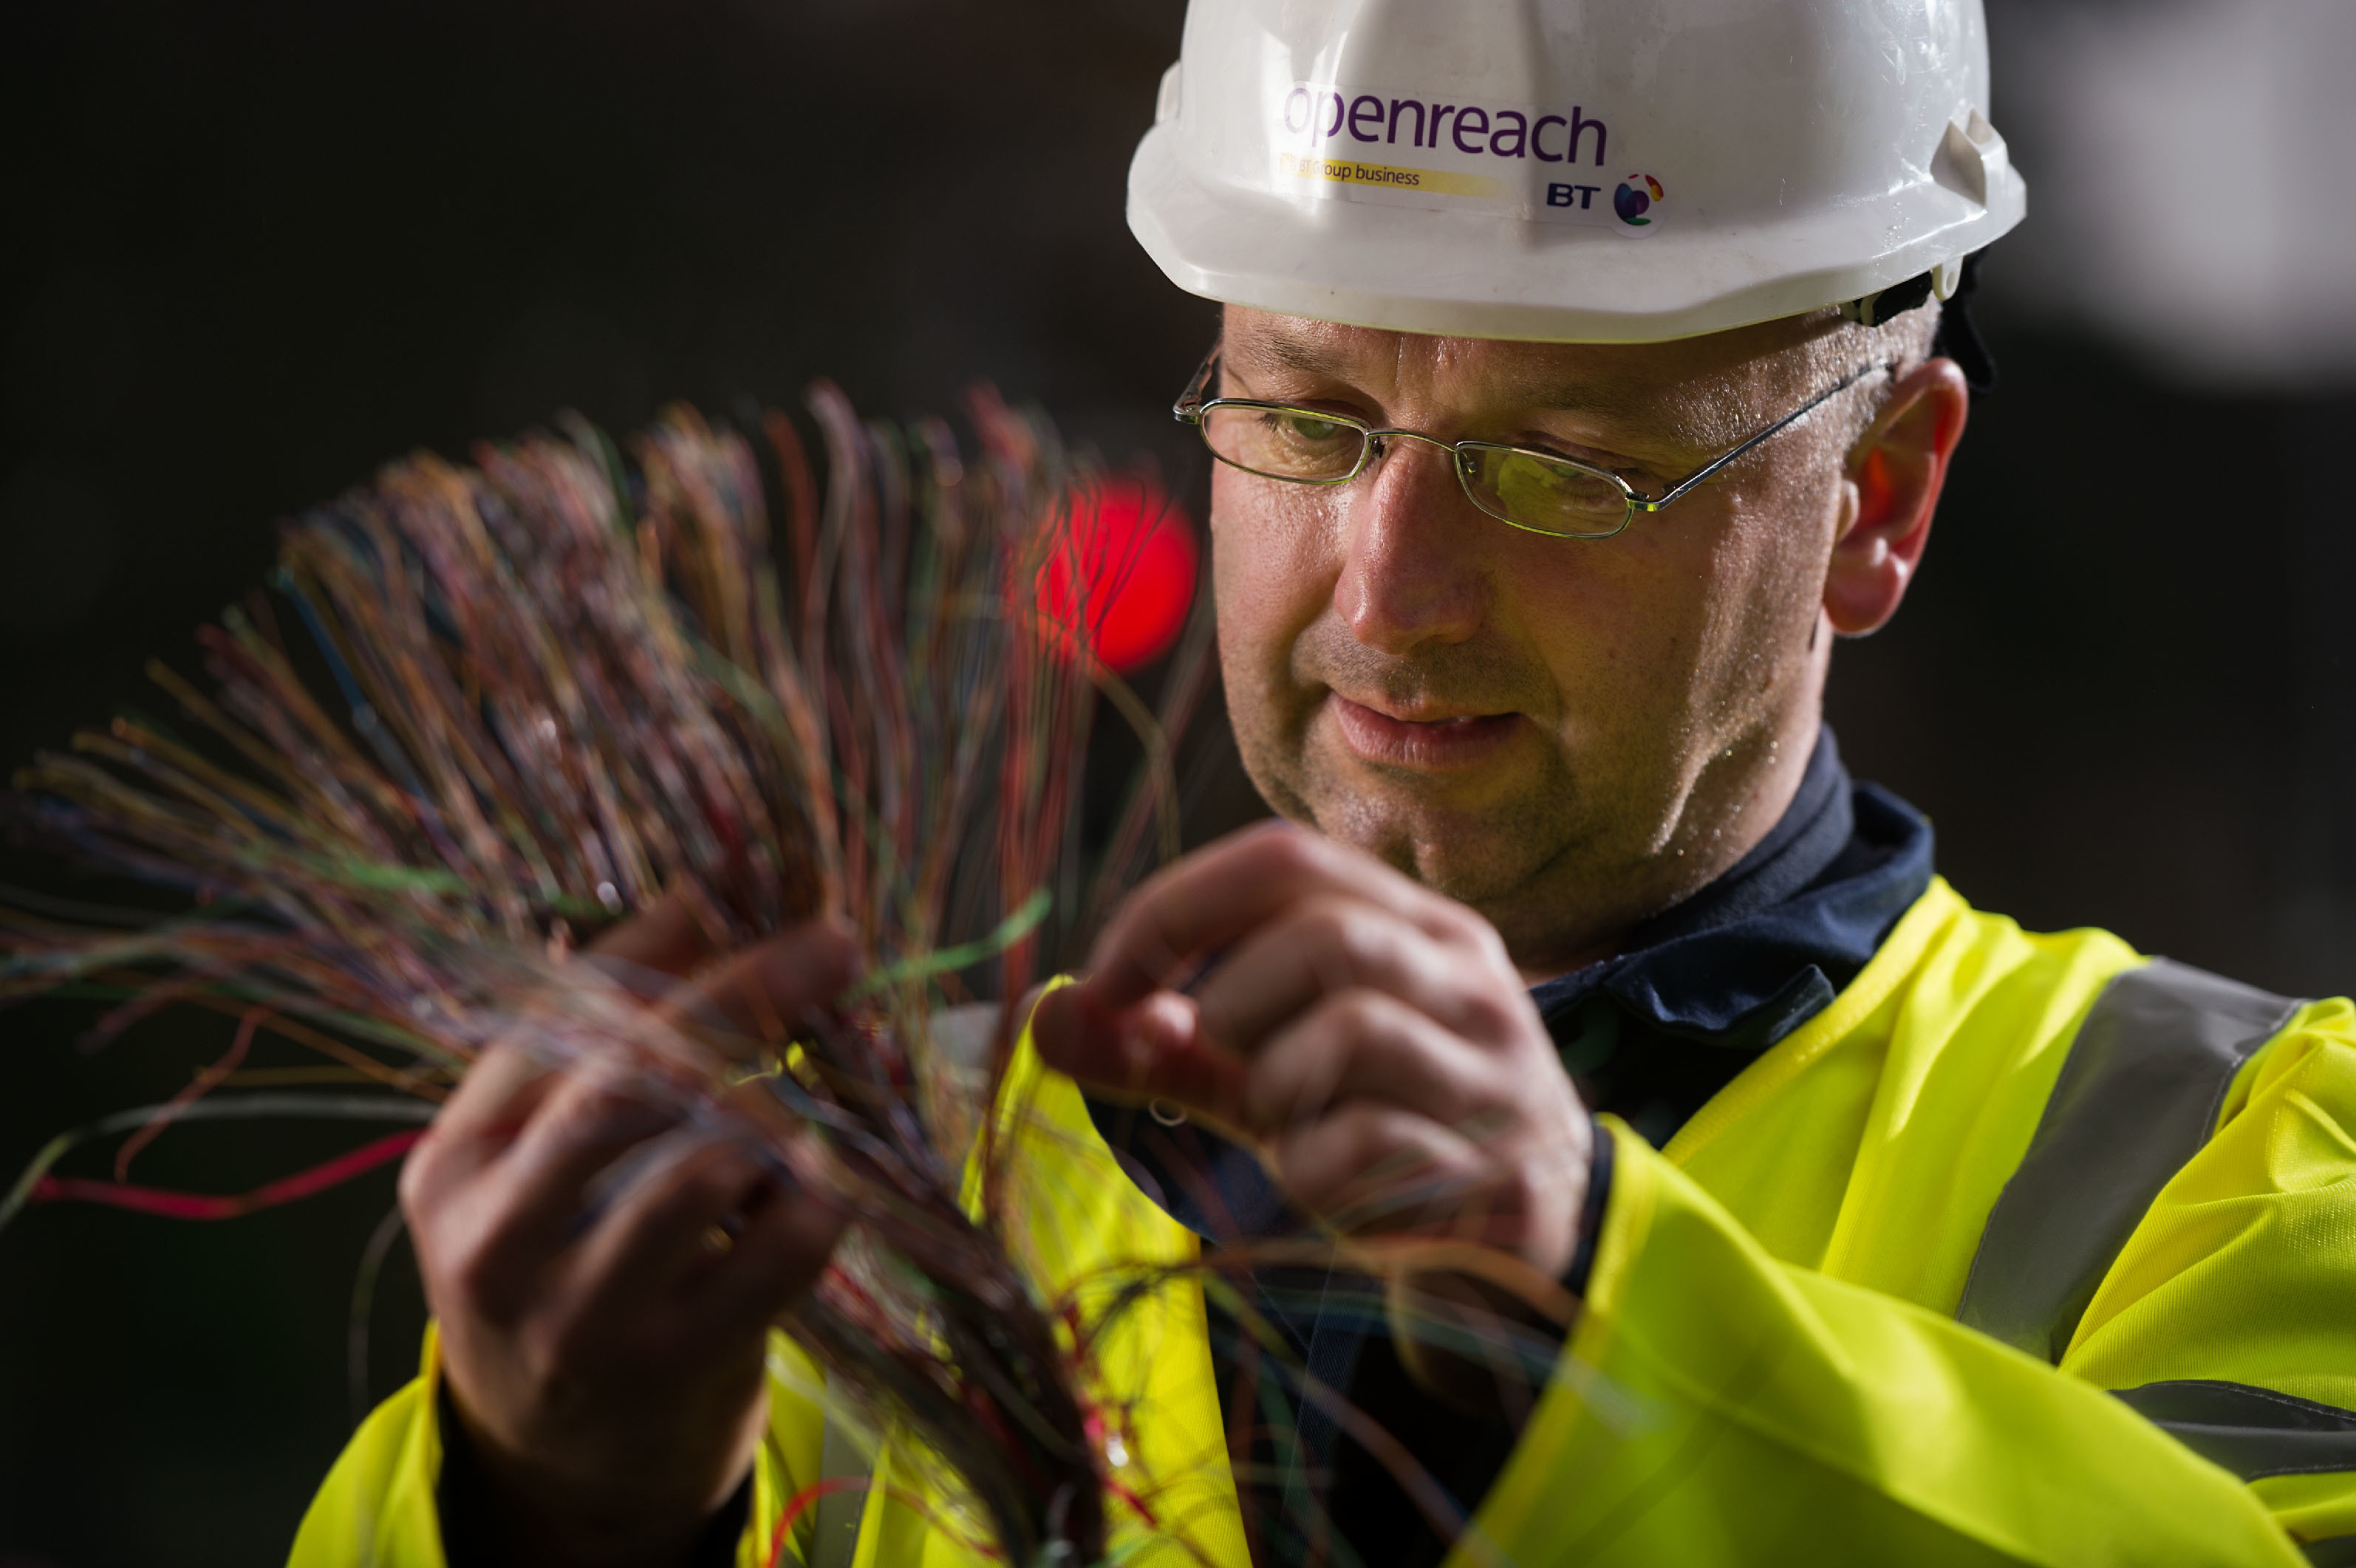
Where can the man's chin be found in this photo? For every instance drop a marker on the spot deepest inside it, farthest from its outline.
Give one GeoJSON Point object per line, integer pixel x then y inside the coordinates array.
{"type": "Point", "coordinates": [1475, 852]}
{"type": "Point", "coordinates": [1477, 835]}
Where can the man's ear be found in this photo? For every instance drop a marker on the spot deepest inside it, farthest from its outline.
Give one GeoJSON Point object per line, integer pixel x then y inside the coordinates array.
{"type": "Point", "coordinates": [1891, 487]}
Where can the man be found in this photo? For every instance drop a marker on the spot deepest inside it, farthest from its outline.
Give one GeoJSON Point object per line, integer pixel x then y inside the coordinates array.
{"type": "Point", "coordinates": [1908, 1237]}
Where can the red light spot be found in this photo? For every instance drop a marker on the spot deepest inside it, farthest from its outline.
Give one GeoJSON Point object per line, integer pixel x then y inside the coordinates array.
{"type": "Point", "coordinates": [1131, 554]}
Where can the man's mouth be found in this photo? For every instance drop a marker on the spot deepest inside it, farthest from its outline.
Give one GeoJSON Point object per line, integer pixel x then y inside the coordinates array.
{"type": "Point", "coordinates": [1432, 739]}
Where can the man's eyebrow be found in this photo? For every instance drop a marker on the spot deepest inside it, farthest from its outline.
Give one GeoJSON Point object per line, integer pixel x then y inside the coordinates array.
{"type": "Point", "coordinates": [1610, 404]}
{"type": "Point", "coordinates": [1287, 354]}
{"type": "Point", "coordinates": [1632, 415]}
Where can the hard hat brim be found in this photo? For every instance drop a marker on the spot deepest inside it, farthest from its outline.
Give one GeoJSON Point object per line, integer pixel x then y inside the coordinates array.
{"type": "Point", "coordinates": [1470, 274]}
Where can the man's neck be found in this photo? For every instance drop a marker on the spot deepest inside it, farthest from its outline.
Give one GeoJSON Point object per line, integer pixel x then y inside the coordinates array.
{"type": "Point", "coordinates": [1737, 805]}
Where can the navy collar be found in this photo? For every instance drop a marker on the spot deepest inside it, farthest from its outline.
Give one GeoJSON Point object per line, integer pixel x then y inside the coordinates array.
{"type": "Point", "coordinates": [1761, 950]}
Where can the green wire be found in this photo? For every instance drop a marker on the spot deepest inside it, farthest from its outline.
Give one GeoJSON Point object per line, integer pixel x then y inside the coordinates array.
{"type": "Point", "coordinates": [947, 960]}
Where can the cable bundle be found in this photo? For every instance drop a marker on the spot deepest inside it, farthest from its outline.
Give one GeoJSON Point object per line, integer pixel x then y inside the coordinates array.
{"type": "Point", "coordinates": [493, 709]}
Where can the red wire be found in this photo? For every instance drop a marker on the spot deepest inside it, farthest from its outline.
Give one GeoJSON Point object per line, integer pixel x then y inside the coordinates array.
{"type": "Point", "coordinates": [225, 1206]}
{"type": "Point", "coordinates": [801, 1504]}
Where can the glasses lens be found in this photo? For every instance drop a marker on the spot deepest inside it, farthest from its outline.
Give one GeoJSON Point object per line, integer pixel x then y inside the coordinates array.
{"type": "Point", "coordinates": [1544, 495]}
{"type": "Point", "coordinates": [1284, 443]}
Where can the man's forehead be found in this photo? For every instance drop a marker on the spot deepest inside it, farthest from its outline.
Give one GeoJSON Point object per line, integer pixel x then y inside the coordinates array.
{"type": "Point", "coordinates": [1635, 382]}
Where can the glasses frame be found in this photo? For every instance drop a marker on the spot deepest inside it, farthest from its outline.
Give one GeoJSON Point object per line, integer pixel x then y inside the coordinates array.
{"type": "Point", "coordinates": [1192, 408]}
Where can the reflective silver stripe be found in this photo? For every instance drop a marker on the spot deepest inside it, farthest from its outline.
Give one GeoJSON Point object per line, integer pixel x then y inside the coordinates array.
{"type": "Point", "coordinates": [834, 1529]}
{"type": "Point", "coordinates": [2136, 1098]}
{"type": "Point", "coordinates": [2252, 1431]}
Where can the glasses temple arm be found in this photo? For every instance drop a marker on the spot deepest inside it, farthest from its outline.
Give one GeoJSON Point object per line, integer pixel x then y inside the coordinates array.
{"type": "Point", "coordinates": [1655, 503]}
{"type": "Point", "coordinates": [1189, 406]}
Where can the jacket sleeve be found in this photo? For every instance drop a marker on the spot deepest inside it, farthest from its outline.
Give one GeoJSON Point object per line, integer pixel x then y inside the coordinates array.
{"type": "Point", "coordinates": [1715, 1406]}
{"type": "Point", "coordinates": [377, 1509]}
{"type": "Point", "coordinates": [2229, 1318]}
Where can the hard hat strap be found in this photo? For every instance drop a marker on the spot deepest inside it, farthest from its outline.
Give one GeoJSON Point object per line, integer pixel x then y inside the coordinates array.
{"type": "Point", "coordinates": [1887, 305]}
{"type": "Point", "coordinates": [1959, 334]}
{"type": "Point", "coordinates": [1958, 337]}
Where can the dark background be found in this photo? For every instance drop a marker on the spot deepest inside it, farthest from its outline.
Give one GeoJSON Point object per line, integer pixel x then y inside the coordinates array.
{"type": "Point", "coordinates": [252, 251]}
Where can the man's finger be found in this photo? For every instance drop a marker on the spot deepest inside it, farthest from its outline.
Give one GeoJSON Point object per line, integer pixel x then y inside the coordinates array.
{"type": "Point", "coordinates": [1218, 894]}
{"type": "Point", "coordinates": [1154, 1049]}
{"type": "Point", "coordinates": [789, 1232]}
{"type": "Point", "coordinates": [1322, 946]}
{"type": "Point", "coordinates": [655, 1231]}
{"type": "Point", "coordinates": [494, 1103]}
{"type": "Point", "coordinates": [1369, 1168]}
{"type": "Point", "coordinates": [1364, 1045]}
{"type": "Point", "coordinates": [505, 1084]}
{"type": "Point", "coordinates": [665, 937]}
{"type": "Point", "coordinates": [593, 1117]}
{"type": "Point", "coordinates": [769, 993]}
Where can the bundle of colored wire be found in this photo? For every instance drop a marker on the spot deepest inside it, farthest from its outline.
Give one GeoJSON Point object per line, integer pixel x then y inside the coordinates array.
{"type": "Point", "coordinates": [531, 696]}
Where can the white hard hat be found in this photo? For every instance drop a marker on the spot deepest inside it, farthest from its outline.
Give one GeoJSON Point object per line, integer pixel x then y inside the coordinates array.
{"type": "Point", "coordinates": [1573, 170]}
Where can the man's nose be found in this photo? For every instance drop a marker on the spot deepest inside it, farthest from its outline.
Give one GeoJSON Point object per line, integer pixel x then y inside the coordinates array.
{"type": "Point", "coordinates": [1412, 576]}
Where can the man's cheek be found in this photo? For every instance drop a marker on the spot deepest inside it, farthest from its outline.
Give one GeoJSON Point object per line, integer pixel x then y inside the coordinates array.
{"type": "Point", "coordinates": [1269, 589]}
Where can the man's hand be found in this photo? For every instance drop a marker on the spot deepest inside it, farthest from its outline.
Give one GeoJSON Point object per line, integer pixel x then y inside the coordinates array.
{"type": "Point", "coordinates": [607, 1357]}
{"type": "Point", "coordinates": [1369, 1036]}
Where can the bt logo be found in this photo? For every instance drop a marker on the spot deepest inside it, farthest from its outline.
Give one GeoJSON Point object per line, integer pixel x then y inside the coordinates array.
{"type": "Point", "coordinates": [1634, 198]}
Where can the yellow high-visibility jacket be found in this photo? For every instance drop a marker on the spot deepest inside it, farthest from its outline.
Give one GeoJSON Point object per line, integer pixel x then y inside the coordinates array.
{"type": "Point", "coordinates": [2024, 1250]}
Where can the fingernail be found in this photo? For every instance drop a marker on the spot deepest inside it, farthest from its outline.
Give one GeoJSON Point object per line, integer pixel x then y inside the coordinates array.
{"type": "Point", "coordinates": [1147, 1041]}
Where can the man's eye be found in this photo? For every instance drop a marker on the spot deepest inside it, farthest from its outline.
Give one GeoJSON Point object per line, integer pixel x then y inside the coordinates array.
{"type": "Point", "coordinates": [1310, 431]}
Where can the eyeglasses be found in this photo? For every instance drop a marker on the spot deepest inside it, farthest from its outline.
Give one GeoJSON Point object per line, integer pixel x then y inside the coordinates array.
{"type": "Point", "coordinates": [1543, 492]}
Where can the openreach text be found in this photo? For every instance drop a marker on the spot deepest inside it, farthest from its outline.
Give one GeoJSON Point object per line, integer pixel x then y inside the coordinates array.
{"type": "Point", "coordinates": [1315, 113]}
